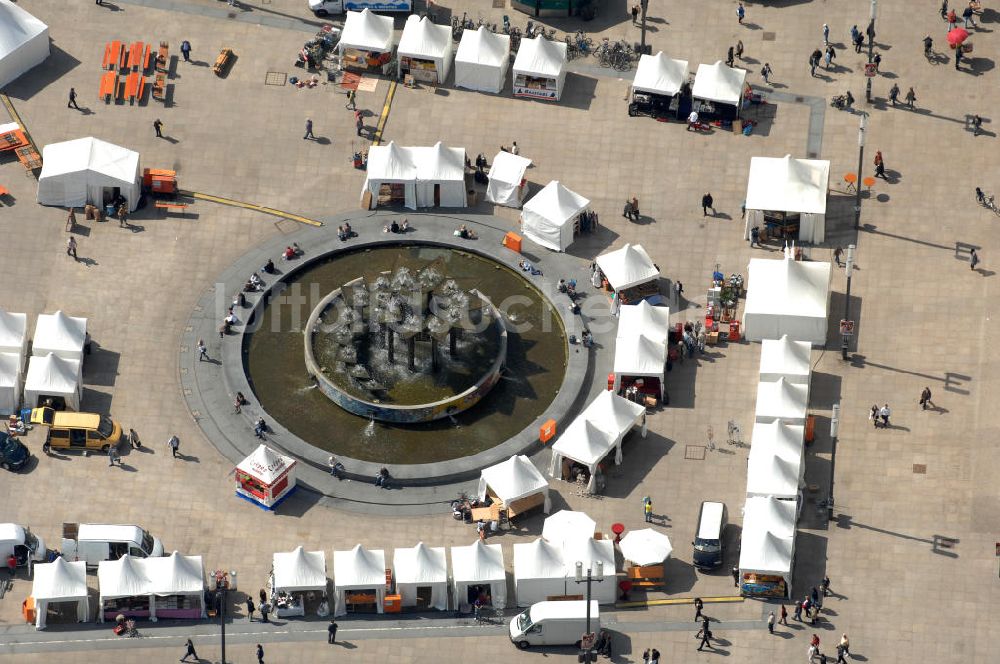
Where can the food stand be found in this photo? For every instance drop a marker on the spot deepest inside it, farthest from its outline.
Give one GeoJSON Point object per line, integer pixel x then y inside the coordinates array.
{"type": "Point", "coordinates": [424, 50]}
{"type": "Point", "coordinates": [298, 583]}
{"type": "Point", "coordinates": [265, 478]}
{"type": "Point", "coordinates": [540, 69]}
{"type": "Point", "coordinates": [552, 216]}
{"type": "Point", "coordinates": [647, 550]}
{"type": "Point", "coordinates": [360, 579]}
{"type": "Point", "coordinates": [478, 573]}
{"type": "Point", "coordinates": [163, 587]}
{"type": "Point", "coordinates": [57, 582]}
{"type": "Point", "coordinates": [506, 183]}
{"type": "Point", "coordinates": [719, 92]}
{"type": "Point", "coordinates": [786, 198]}
{"type": "Point", "coordinates": [421, 577]}
{"type": "Point", "coordinates": [482, 60]}
{"type": "Point", "coordinates": [767, 548]}
{"type": "Point", "coordinates": [787, 297]}
{"type": "Point", "coordinates": [366, 42]}
{"type": "Point", "coordinates": [630, 273]}
{"type": "Point", "coordinates": [517, 485]}
{"type": "Point", "coordinates": [657, 86]}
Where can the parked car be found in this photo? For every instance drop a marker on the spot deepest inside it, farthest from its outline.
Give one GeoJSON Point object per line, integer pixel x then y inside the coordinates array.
{"type": "Point", "coordinates": [13, 454]}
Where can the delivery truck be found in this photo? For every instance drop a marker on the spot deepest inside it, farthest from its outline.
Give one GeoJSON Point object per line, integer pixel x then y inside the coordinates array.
{"type": "Point", "coordinates": [94, 542]}
{"type": "Point", "coordinates": [554, 624]}
{"type": "Point", "coordinates": [18, 541]}
{"type": "Point", "coordinates": [323, 8]}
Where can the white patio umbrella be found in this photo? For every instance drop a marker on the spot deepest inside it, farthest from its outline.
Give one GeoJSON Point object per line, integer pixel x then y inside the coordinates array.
{"type": "Point", "coordinates": [645, 547]}
{"type": "Point", "coordinates": [566, 524]}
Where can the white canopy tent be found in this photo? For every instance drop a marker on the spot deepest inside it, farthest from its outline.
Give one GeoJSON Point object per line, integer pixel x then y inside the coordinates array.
{"type": "Point", "coordinates": [24, 42]}
{"type": "Point", "coordinates": [784, 358]}
{"type": "Point", "coordinates": [513, 480]}
{"type": "Point", "coordinates": [506, 179]}
{"type": "Point", "coordinates": [645, 547]}
{"type": "Point", "coordinates": [88, 170]}
{"type": "Point", "coordinates": [540, 69]}
{"type": "Point", "coordinates": [596, 431]}
{"type": "Point", "coordinates": [60, 335]}
{"type": "Point", "coordinates": [421, 567]}
{"type": "Point", "coordinates": [547, 218]}
{"type": "Point", "coordinates": [366, 31]}
{"type": "Point", "coordinates": [482, 60]}
{"type": "Point", "coordinates": [359, 569]}
{"type": "Point", "coordinates": [425, 49]}
{"type": "Point", "coordinates": [60, 581]}
{"type": "Point", "coordinates": [644, 319]}
{"type": "Point", "coordinates": [795, 186]}
{"type": "Point", "coordinates": [641, 356]}
{"type": "Point", "coordinates": [659, 75]}
{"type": "Point", "coordinates": [781, 400]}
{"type": "Point", "coordinates": [52, 376]}
{"type": "Point", "coordinates": [479, 564]}
{"type": "Point", "coordinates": [720, 84]}
{"type": "Point", "coordinates": [628, 267]}
{"type": "Point", "coordinates": [539, 571]}
{"type": "Point", "coordinates": [567, 524]}
{"type": "Point", "coordinates": [174, 575]}
{"type": "Point", "coordinates": [776, 465]}
{"type": "Point", "coordinates": [787, 297]}
{"type": "Point", "coordinates": [768, 546]}
{"type": "Point", "coordinates": [423, 176]}
{"type": "Point", "coordinates": [590, 552]}
{"type": "Point", "coordinates": [14, 335]}
{"type": "Point", "coordinates": [10, 383]}
{"type": "Point", "coordinates": [125, 577]}
{"type": "Point", "coordinates": [299, 570]}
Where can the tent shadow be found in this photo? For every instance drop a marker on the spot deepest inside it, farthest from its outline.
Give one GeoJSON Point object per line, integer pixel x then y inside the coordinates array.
{"type": "Point", "coordinates": [56, 66]}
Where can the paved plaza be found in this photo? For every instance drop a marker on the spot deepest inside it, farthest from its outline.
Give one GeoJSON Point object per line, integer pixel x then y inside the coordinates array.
{"type": "Point", "coordinates": [923, 319]}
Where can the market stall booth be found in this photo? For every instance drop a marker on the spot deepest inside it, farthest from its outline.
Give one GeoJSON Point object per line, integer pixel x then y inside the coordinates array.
{"type": "Point", "coordinates": [53, 379]}
{"type": "Point", "coordinates": [298, 583]}
{"type": "Point", "coordinates": [57, 583]}
{"type": "Point", "coordinates": [539, 572]}
{"type": "Point", "coordinates": [89, 170]}
{"type": "Point", "coordinates": [567, 524]}
{"type": "Point", "coordinates": [163, 587]}
{"type": "Point", "coordinates": [630, 273]}
{"type": "Point", "coordinates": [517, 484]}
{"type": "Point", "coordinates": [786, 198]}
{"type": "Point", "coordinates": [551, 217]}
{"type": "Point", "coordinates": [60, 335]}
{"type": "Point", "coordinates": [265, 478]}
{"type": "Point", "coordinates": [540, 69]}
{"type": "Point", "coordinates": [10, 383]}
{"type": "Point", "coordinates": [776, 465]}
{"type": "Point", "coordinates": [641, 349]}
{"type": "Point", "coordinates": [366, 42]}
{"type": "Point", "coordinates": [24, 42]}
{"type": "Point", "coordinates": [415, 177]}
{"type": "Point", "coordinates": [421, 575]}
{"type": "Point", "coordinates": [478, 573]}
{"type": "Point", "coordinates": [781, 400]}
{"type": "Point", "coordinates": [719, 92]}
{"type": "Point", "coordinates": [482, 60]}
{"type": "Point", "coordinates": [14, 335]}
{"type": "Point", "coordinates": [656, 88]}
{"type": "Point", "coordinates": [506, 184]}
{"type": "Point", "coordinates": [767, 547]}
{"type": "Point", "coordinates": [599, 430]}
{"type": "Point", "coordinates": [784, 358]}
{"type": "Point", "coordinates": [787, 297]}
{"type": "Point", "coordinates": [424, 50]}
{"type": "Point", "coordinates": [597, 555]}
{"type": "Point", "coordinates": [360, 578]}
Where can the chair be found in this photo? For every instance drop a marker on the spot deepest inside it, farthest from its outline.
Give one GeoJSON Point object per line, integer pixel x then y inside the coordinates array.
{"type": "Point", "coordinates": [851, 179]}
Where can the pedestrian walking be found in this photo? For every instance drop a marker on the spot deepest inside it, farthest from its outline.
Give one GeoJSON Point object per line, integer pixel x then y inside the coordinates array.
{"type": "Point", "coordinates": [977, 124]}
{"type": "Point", "coordinates": [925, 398]}
{"type": "Point", "coordinates": [158, 127]}
{"type": "Point", "coordinates": [113, 456]}
{"type": "Point", "coordinates": [880, 170]}
{"type": "Point", "coordinates": [854, 33]}
{"type": "Point", "coordinates": [331, 632]}
{"type": "Point", "coordinates": [654, 656]}
{"type": "Point", "coordinates": [250, 608]}
{"type": "Point", "coordinates": [770, 622]}
{"type": "Point", "coordinates": [260, 654]}
{"type": "Point", "coordinates": [358, 122]}
{"type": "Point", "coordinates": [174, 444]}
{"type": "Point", "coordinates": [952, 19]}
{"type": "Point", "coordinates": [967, 15]}
{"type": "Point", "coordinates": [707, 203]}
{"type": "Point", "coordinates": [265, 608]}
{"type": "Point", "coordinates": [813, 653]}
{"type": "Point", "coordinates": [739, 49]}
{"type": "Point", "coordinates": [123, 215]}
{"type": "Point", "coordinates": [71, 248]}
{"type": "Point", "coordinates": [798, 611]}
{"type": "Point", "coordinates": [845, 643]}
{"type": "Point", "coordinates": [784, 615]}
{"type": "Point", "coordinates": [973, 258]}
{"type": "Point", "coordinates": [647, 510]}
{"type": "Point", "coordinates": [736, 576]}
{"type": "Point", "coordinates": [884, 413]}
{"type": "Point", "coordinates": [71, 220]}
{"type": "Point", "coordinates": [826, 33]}
{"type": "Point", "coordinates": [765, 72]}
{"type": "Point", "coordinates": [840, 655]}
{"type": "Point", "coordinates": [830, 55]}
{"type": "Point", "coordinates": [706, 635]}
{"type": "Point", "coordinates": [755, 237]}
{"type": "Point", "coordinates": [894, 94]}
{"type": "Point", "coordinates": [188, 645]}
{"type": "Point", "coordinates": [814, 595]}
{"type": "Point", "coordinates": [98, 2]}
{"type": "Point", "coordinates": [740, 13]}
{"type": "Point", "coordinates": [698, 606]}
{"type": "Point", "coordinates": [877, 60]}
{"type": "Point", "coordinates": [645, 656]}
{"type": "Point", "coordinates": [859, 41]}
{"type": "Point", "coordinates": [958, 57]}
{"type": "Point", "coordinates": [133, 439]}
{"type": "Point", "coordinates": [837, 253]}
{"type": "Point", "coordinates": [635, 14]}
{"type": "Point", "coordinates": [72, 99]}
{"type": "Point", "coordinates": [873, 415]}
{"type": "Point", "coordinates": [202, 350]}
{"type": "Point", "coordinates": [263, 596]}
{"type": "Point", "coordinates": [814, 61]}
{"type": "Point", "coordinates": [186, 50]}
{"type": "Point", "coordinates": [944, 10]}
{"type": "Point", "coordinates": [351, 100]}
{"type": "Point", "coordinates": [309, 129]}
{"type": "Point", "coordinates": [825, 584]}
{"type": "Point", "coordinates": [928, 45]}
{"type": "Point", "coordinates": [911, 97]}
{"type": "Point", "coordinates": [730, 55]}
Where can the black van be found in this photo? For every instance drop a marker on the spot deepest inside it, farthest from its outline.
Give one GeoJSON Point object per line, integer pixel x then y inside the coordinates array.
{"type": "Point", "coordinates": [708, 539]}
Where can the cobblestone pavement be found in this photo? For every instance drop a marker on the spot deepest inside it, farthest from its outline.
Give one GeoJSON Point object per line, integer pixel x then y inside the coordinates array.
{"type": "Point", "coordinates": [923, 317]}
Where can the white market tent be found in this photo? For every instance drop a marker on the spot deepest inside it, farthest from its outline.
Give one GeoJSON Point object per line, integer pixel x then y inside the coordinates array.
{"type": "Point", "coordinates": [644, 319]}
{"type": "Point", "coordinates": [784, 358]}
{"type": "Point", "coordinates": [785, 184]}
{"type": "Point", "coordinates": [52, 376]}
{"type": "Point", "coordinates": [359, 569]}
{"type": "Point", "coordinates": [24, 42]}
{"type": "Point", "coordinates": [482, 60]}
{"type": "Point", "coordinates": [125, 577]}
{"type": "Point", "coordinates": [645, 547]}
{"type": "Point", "coordinates": [176, 575]}
{"type": "Point", "coordinates": [513, 480]}
{"type": "Point", "coordinates": [60, 335]}
{"type": "Point", "coordinates": [781, 400]}
{"type": "Point", "coordinates": [10, 383]}
{"type": "Point", "coordinates": [170, 576]}
{"type": "Point", "coordinates": [768, 541]}
{"type": "Point", "coordinates": [627, 267]}
{"type": "Point", "coordinates": [366, 31]}
{"type": "Point", "coordinates": [506, 178]}
{"type": "Point", "coordinates": [776, 465]}
{"type": "Point", "coordinates": [598, 430]}
{"type": "Point", "coordinates": [590, 552]}
{"type": "Point", "coordinates": [60, 581]}
{"type": "Point", "coordinates": [640, 356]}
{"type": "Point", "coordinates": [430, 176]}
{"type": "Point", "coordinates": [422, 39]}
{"type": "Point", "coordinates": [539, 571]}
{"type": "Point", "coordinates": [479, 564]}
{"type": "Point", "coordinates": [719, 83]}
{"type": "Point", "coordinates": [14, 334]}
{"type": "Point", "coordinates": [567, 524]}
{"type": "Point", "coordinates": [660, 75]}
{"type": "Point", "coordinates": [421, 567]}
{"type": "Point", "coordinates": [787, 297]}
{"type": "Point", "coordinates": [299, 570]}
{"type": "Point", "coordinates": [548, 217]}
{"type": "Point", "coordinates": [540, 69]}
{"type": "Point", "coordinates": [87, 170]}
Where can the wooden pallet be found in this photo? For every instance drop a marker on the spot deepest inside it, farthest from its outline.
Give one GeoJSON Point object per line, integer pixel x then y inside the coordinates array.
{"type": "Point", "coordinates": [221, 62]}
{"type": "Point", "coordinates": [28, 156]}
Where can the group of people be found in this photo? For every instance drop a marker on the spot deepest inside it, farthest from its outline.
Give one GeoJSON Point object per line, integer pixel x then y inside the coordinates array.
{"type": "Point", "coordinates": [631, 210]}
{"type": "Point", "coordinates": [345, 232]}
{"type": "Point", "coordinates": [464, 233]}
{"type": "Point", "coordinates": [396, 227]}
{"type": "Point", "coordinates": [880, 415]}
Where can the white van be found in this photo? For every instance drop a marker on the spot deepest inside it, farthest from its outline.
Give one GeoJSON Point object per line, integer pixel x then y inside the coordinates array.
{"type": "Point", "coordinates": [323, 8]}
{"type": "Point", "coordinates": [554, 624]}
{"type": "Point", "coordinates": [94, 542]}
{"type": "Point", "coordinates": [18, 541]}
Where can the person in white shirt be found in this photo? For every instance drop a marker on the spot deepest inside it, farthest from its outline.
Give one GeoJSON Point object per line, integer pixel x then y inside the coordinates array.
{"type": "Point", "coordinates": [693, 118]}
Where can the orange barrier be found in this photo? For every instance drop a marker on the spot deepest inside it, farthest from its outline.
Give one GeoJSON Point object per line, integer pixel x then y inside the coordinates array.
{"type": "Point", "coordinates": [547, 431]}
{"type": "Point", "coordinates": [512, 241]}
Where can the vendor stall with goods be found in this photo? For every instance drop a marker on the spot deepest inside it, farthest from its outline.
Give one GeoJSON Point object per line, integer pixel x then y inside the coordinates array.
{"type": "Point", "coordinates": [421, 575]}
{"type": "Point", "coordinates": [656, 89]}
{"type": "Point", "coordinates": [540, 69]}
{"type": "Point", "coordinates": [56, 585]}
{"type": "Point", "coordinates": [162, 587]}
{"type": "Point", "coordinates": [482, 60]}
{"type": "Point", "coordinates": [424, 50]}
{"type": "Point", "coordinates": [786, 198]}
{"type": "Point", "coordinates": [767, 548]}
{"type": "Point", "coordinates": [630, 273]}
{"type": "Point", "coordinates": [516, 484]}
{"type": "Point", "coordinates": [298, 583]}
{"type": "Point", "coordinates": [360, 579]}
{"type": "Point", "coordinates": [366, 42]}
{"type": "Point", "coordinates": [539, 572]}
{"type": "Point", "coordinates": [506, 184]}
{"type": "Point", "coordinates": [479, 577]}
{"type": "Point", "coordinates": [641, 351]}
{"type": "Point", "coordinates": [719, 92]}
{"type": "Point", "coordinates": [552, 217]}
{"type": "Point", "coordinates": [415, 177]}
{"type": "Point", "coordinates": [265, 478]}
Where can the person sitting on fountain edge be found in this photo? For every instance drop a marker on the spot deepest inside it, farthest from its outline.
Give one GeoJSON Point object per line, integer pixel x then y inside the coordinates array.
{"type": "Point", "coordinates": [382, 479]}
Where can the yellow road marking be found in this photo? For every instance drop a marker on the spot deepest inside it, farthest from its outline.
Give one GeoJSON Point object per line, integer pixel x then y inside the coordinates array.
{"type": "Point", "coordinates": [385, 113]}
{"type": "Point", "coordinates": [677, 601]}
{"type": "Point", "coordinates": [250, 206]}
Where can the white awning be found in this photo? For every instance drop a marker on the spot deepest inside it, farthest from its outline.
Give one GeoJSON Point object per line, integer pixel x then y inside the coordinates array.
{"type": "Point", "coordinates": [781, 400]}
{"type": "Point", "coordinates": [644, 319]}
{"type": "Point", "coordinates": [567, 524]}
{"type": "Point", "coordinates": [541, 58]}
{"type": "Point", "coordinates": [768, 541]}
{"type": "Point", "coordinates": [479, 564]}
{"type": "Point", "coordinates": [644, 356]}
{"type": "Point", "coordinates": [366, 31]}
{"type": "Point", "coordinates": [787, 297]}
{"type": "Point", "coordinates": [720, 83]}
{"type": "Point", "coordinates": [514, 479]}
{"type": "Point", "coordinates": [299, 570]}
{"type": "Point", "coordinates": [627, 267]}
{"type": "Point", "coordinates": [421, 566]}
{"type": "Point", "coordinates": [482, 60]}
{"type": "Point", "coordinates": [776, 465]}
{"type": "Point", "coordinates": [784, 358]}
{"type": "Point", "coordinates": [788, 185]}
{"type": "Point", "coordinates": [358, 569]}
{"type": "Point", "coordinates": [24, 42]}
{"type": "Point", "coordinates": [505, 177]}
{"type": "Point", "coordinates": [660, 75]}
{"type": "Point", "coordinates": [266, 465]}
{"type": "Point", "coordinates": [645, 547]}
{"type": "Point", "coordinates": [52, 376]}
{"type": "Point", "coordinates": [81, 171]}
{"type": "Point", "coordinates": [60, 581]}
{"type": "Point", "coordinates": [547, 218]}
{"type": "Point", "coordinates": [60, 335]}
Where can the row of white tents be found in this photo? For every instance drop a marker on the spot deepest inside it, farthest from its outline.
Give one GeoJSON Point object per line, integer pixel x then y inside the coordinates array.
{"type": "Point", "coordinates": [719, 83]}
{"type": "Point", "coordinates": [55, 368]}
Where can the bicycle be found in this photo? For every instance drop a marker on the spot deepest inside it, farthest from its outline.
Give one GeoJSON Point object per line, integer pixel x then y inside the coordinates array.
{"type": "Point", "coordinates": [987, 201]}
{"type": "Point", "coordinates": [734, 436]}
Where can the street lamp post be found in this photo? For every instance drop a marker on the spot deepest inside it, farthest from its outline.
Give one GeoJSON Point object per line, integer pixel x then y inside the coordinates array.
{"type": "Point", "coordinates": [220, 608]}
{"type": "Point", "coordinates": [847, 301]}
{"type": "Point", "coordinates": [862, 130]}
{"type": "Point", "coordinates": [644, 4]}
{"type": "Point", "coordinates": [871, 48]}
{"type": "Point", "coordinates": [587, 651]}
